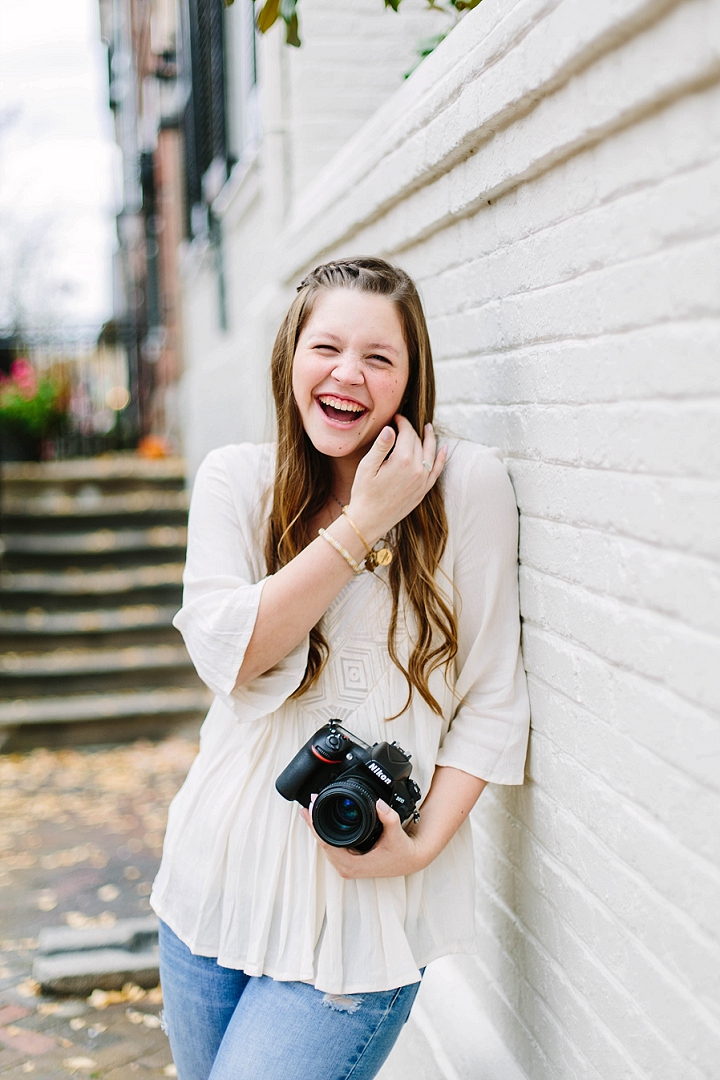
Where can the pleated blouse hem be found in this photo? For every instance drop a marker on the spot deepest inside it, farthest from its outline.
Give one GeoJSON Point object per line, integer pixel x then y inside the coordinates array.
{"type": "Point", "coordinates": [279, 974]}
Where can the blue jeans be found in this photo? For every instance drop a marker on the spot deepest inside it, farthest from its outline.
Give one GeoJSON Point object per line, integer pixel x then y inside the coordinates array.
{"type": "Point", "coordinates": [226, 1025]}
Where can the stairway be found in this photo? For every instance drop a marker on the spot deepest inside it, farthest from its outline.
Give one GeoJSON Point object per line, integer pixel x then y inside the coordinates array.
{"type": "Point", "coordinates": [90, 582]}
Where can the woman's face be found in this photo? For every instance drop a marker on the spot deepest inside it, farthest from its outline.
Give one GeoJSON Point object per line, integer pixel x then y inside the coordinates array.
{"type": "Point", "coordinates": [350, 370]}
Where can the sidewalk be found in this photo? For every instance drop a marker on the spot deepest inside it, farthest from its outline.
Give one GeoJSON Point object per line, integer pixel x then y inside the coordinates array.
{"type": "Point", "coordinates": [80, 841]}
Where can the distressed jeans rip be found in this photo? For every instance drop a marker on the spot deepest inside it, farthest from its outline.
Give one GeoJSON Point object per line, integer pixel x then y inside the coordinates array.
{"type": "Point", "coordinates": [342, 1002]}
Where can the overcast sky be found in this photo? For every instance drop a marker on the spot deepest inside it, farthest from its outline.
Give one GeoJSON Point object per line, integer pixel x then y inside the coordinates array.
{"type": "Point", "coordinates": [59, 169]}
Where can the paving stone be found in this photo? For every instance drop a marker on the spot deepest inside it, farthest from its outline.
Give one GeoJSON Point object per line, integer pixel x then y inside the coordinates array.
{"type": "Point", "coordinates": [27, 1042]}
{"type": "Point", "coordinates": [10, 1013]}
{"type": "Point", "coordinates": [10, 1057]}
{"type": "Point", "coordinates": [76, 853]}
{"type": "Point", "coordinates": [159, 1060]}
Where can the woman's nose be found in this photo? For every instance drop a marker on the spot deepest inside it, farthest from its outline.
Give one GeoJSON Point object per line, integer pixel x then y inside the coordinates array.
{"type": "Point", "coordinates": [348, 369]}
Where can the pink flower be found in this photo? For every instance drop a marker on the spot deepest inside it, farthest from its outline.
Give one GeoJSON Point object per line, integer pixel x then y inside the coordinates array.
{"type": "Point", "coordinates": [24, 377]}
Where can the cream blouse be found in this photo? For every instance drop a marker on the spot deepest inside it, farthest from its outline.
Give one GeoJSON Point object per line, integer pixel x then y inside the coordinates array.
{"type": "Point", "coordinates": [242, 878]}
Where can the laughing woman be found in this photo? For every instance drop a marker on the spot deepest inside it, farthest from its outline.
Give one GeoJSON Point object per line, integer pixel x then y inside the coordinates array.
{"type": "Point", "coordinates": [282, 957]}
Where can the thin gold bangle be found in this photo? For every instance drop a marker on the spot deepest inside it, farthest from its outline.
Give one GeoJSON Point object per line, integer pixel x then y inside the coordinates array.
{"type": "Point", "coordinates": [356, 569]}
{"type": "Point", "coordinates": [352, 524]}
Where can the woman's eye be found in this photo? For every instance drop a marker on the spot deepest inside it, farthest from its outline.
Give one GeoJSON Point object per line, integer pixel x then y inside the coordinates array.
{"type": "Point", "coordinates": [384, 359]}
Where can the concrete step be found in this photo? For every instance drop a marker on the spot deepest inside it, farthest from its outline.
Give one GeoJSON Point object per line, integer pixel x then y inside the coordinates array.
{"type": "Point", "coordinates": [76, 962]}
{"type": "Point", "coordinates": [89, 586]}
{"type": "Point", "coordinates": [90, 501]}
{"type": "Point", "coordinates": [93, 661]}
{"type": "Point", "coordinates": [96, 542]}
{"type": "Point", "coordinates": [82, 582]}
{"type": "Point", "coordinates": [132, 617]}
{"type": "Point", "coordinates": [113, 467]}
{"type": "Point", "coordinates": [87, 707]}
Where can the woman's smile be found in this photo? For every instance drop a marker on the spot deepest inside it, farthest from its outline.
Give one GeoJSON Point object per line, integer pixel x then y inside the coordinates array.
{"type": "Point", "coordinates": [341, 410]}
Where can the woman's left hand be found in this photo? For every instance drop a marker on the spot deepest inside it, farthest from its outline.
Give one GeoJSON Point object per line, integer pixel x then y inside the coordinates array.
{"type": "Point", "coordinates": [394, 855]}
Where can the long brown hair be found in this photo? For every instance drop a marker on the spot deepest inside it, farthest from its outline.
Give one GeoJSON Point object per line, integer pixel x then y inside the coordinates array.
{"type": "Point", "coordinates": [303, 478]}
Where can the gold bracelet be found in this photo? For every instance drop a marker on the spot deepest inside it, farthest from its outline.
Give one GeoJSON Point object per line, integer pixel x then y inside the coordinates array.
{"type": "Point", "coordinates": [356, 569]}
{"type": "Point", "coordinates": [373, 558]}
{"type": "Point", "coordinates": [352, 525]}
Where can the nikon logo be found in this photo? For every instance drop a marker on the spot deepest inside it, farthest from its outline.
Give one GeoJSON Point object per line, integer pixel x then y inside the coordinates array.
{"type": "Point", "coordinates": [375, 768]}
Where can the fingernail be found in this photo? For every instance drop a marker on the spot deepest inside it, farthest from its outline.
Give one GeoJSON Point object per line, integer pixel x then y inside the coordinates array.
{"type": "Point", "coordinates": [386, 434]}
{"type": "Point", "coordinates": [382, 805]}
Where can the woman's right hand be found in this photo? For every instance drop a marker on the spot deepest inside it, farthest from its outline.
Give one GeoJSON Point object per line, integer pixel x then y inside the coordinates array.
{"type": "Point", "coordinates": [386, 489]}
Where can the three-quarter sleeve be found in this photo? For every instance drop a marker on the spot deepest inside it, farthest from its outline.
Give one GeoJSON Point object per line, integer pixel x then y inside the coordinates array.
{"type": "Point", "coordinates": [223, 584]}
{"type": "Point", "coordinates": [488, 734]}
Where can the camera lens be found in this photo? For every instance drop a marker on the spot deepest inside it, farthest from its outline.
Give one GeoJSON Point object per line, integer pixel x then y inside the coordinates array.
{"type": "Point", "coordinates": [344, 813]}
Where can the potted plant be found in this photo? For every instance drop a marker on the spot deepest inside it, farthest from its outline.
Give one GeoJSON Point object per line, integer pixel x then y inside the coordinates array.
{"type": "Point", "coordinates": [32, 408]}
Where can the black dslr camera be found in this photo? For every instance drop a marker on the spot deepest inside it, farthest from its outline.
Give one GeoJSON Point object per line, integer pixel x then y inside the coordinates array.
{"type": "Point", "coordinates": [349, 777]}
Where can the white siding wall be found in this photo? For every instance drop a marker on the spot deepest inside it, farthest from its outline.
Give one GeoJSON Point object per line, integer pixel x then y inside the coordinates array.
{"type": "Point", "coordinates": [551, 177]}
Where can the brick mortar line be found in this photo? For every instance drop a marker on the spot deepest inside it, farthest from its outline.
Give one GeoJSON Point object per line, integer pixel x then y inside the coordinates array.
{"type": "Point", "coordinates": [580, 339]}
{"type": "Point", "coordinates": [592, 272]}
{"type": "Point", "coordinates": [611, 200]}
{"type": "Point", "coordinates": [659, 900]}
{"type": "Point", "coordinates": [706, 871]}
{"type": "Point", "coordinates": [656, 681]}
{"type": "Point", "coordinates": [681, 321]}
{"type": "Point", "coordinates": [496, 988]}
{"type": "Point", "coordinates": [672, 766]}
{"type": "Point", "coordinates": [608, 40]}
{"type": "Point", "coordinates": [708, 638]}
{"type": "Point", "coordinates": [663, 245]}
{"type": "Point", "coordinates": [513, 457]}
{"type": "Point", "coordinates": [630, 537]}
{"type": "Point", "coordinates": [552, 1010]}
{"type": "Point", "coordinates": [712, 637]}
{"type": "Point", "coordinates": [604, 408]}
{"type": "Point", "coordinates": [565, 874]}
{"type": "Point", "coordinates": [576, 992]}
{"type": "Point", "coordinates": [652, 820]}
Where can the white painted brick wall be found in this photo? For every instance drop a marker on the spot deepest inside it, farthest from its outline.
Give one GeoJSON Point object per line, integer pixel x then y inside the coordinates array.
{"type": "Point", "coordinates": [551, 177]}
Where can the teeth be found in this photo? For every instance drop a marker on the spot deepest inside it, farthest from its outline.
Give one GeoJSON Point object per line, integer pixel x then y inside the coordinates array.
{"type": "Point", "coordinates": [343, 406]}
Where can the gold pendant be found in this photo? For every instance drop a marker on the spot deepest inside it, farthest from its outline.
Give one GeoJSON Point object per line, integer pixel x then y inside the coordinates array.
{"type": "Point", "coordinates": [383, 557]}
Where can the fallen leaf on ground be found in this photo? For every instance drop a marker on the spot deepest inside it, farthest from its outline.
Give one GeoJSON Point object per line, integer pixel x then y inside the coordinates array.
{"type": "Point", "coordinates": [47, 900]}
{"type": "Point", "coordinates": [78, 921]}
{"type": "Point", "coordinates": [28, 988]}
{"type": "Point", "coordinates": [100, 999]}
{"type": "Point", "coordinates": [79, 1064]}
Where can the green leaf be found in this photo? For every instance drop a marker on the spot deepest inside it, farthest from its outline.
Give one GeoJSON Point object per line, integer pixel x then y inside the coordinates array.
{"type": "Point", "coordinates": [394, 4]}
{"type": "Point", "coordinates": [465, 5]}
{"type": "Point", "coordinates": [267, 17]}
{"type": "Point", "coordinates": [291, 32]}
